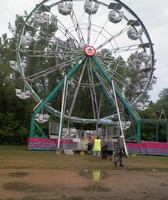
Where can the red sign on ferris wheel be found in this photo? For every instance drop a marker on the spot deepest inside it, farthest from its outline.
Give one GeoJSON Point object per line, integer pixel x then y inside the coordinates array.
{"type": "Point", "coordinates": [89, 51]}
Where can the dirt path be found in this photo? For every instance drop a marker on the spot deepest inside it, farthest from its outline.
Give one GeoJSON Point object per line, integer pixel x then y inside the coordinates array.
{"type": "Point", "coordinates": [118, 184]}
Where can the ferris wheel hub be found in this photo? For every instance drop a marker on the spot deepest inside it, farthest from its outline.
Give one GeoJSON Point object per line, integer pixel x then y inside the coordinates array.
{"type": "Point", "coordinates": [89, 51]}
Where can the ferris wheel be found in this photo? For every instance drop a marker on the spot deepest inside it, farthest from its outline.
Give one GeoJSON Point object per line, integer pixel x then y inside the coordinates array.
{"type": "Point", "coordinates": [87, 54]}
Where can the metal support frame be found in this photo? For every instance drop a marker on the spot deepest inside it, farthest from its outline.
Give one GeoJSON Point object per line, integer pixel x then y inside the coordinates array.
{"type": "Point", "coordinates": [119, 95]}
{"type": "Point", "coordinates": [118, 113]}
{"type": "Point", "coordinates": [71, 72]}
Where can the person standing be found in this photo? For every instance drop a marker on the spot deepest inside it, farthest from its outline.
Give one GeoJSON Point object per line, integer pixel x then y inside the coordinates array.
{"type": "Point", "coordinates": [97, 148]}
{"type": "Point", "coordinates": [92, 139]}
{"type": "Point", "coordinates": [110, 149]}
{"type": "Point", "coordinates": [120, 152]}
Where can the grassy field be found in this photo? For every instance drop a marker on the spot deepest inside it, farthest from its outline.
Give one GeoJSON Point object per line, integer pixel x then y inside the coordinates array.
{"type": "Point", "coordinates": [17, 157]}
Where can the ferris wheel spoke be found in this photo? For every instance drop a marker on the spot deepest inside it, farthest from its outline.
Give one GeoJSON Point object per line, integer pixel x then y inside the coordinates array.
{"type": "Point", "coordinates": [100, 32]}
{"type": "Point", "coordinates": [62, 46]}
{"type": "Point", "coordinates": [34, 28]}
{"type": "Point", "coordinates": [67, 33]}
{"type": "Point", "coordinates": [59, 66]}
{"type": "Point", "coordinates": [77, 28]}
{"type": "Point", "coordinates": [112, 38]}
{"type": "Point", "coordinates": [62, 28]}
{"type": "Point", "coordinates": [89, 28]}
{"type": "Point", "coordinates": [119, 79]}
{"type": "Point", "coordinates": [61, 51]}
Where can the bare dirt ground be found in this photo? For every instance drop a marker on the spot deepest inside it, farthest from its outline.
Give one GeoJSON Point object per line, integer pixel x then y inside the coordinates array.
{"type": "Point", "coordinates": [116, 184]}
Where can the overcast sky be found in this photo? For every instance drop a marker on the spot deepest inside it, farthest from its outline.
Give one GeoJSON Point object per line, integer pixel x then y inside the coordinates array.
{"type": "Point", "coordinates": [153, 13]}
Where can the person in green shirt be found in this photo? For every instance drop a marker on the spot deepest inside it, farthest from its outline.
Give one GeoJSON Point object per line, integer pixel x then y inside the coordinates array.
{"type": "Point", "coordinates": [97, 148]}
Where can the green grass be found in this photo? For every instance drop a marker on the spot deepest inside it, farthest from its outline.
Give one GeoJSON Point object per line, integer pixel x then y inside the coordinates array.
{"type": "Point", "coordinates": [17, 157]}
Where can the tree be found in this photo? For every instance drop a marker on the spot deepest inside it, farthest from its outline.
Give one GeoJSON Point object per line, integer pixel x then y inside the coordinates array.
{"type": "Point", "coordinates": [14, 114]}
{"type": "Point", "coordinates": [162, 103]}
{"type": "Point", "coordinates": [148, 130]}
{"type": "Point", "coordinates": [6, 81]}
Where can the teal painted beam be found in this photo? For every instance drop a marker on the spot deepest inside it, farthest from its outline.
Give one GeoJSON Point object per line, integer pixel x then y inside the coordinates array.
{"type": "Point", "coordinates": [104, 91]}
{"type": "Point", "coordinates": [40, 130]}
{"type": "Point", "coordinates": [167, 130]}
{"type": "Point", "coordinates": [154, 121]}
{"type": "Point", "coordinates": [138, 133]}
{"type": "Point", "coordinates": [32, 127]}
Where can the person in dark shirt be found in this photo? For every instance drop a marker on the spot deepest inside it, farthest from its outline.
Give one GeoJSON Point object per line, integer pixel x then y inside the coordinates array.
{"type": "Point", "coordinates": [120, 152]}
{"type": "Point", "coordinates": [110, 148]}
